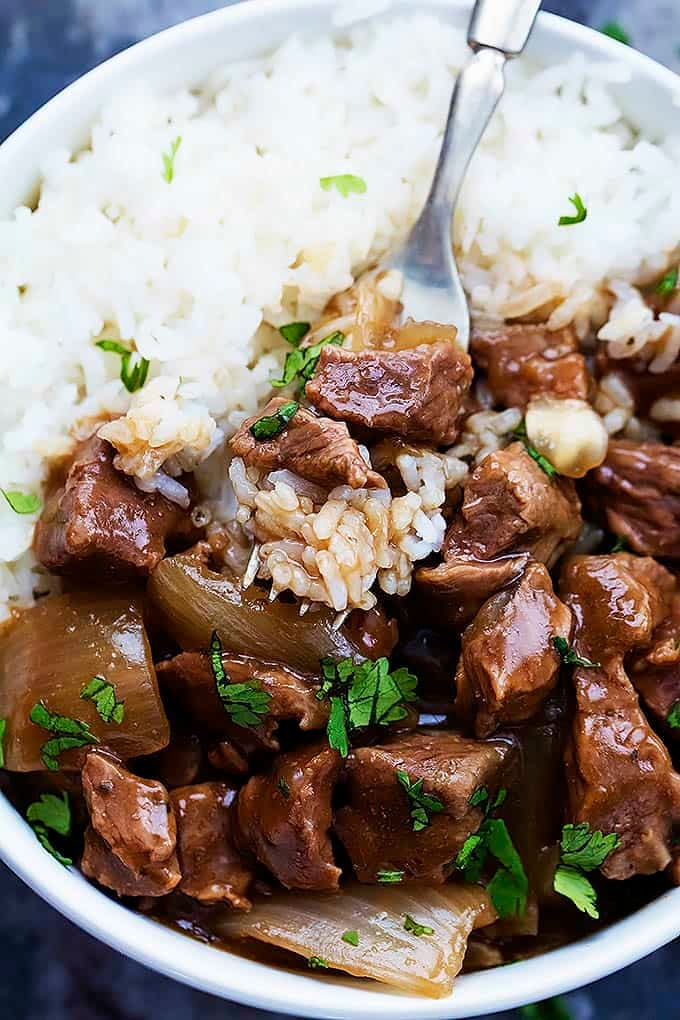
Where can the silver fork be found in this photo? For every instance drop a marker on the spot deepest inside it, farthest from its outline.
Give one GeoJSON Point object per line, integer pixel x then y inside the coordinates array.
{"type": "Point", "coordinates": [499, 30]}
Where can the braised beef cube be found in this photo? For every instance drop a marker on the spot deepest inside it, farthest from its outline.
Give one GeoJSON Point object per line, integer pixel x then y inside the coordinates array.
{"type": "Point", "coordinates": [509, 665]}
{"type": "Point", "coordinates": [511, 510]}
{"type": "Point", "coordinates": [189, 679]}
{"type": "Point", "coordinates": [655, 672]}
{"type": "Point", "coordinates": [619, 773]}
{"type": "Point", "coordinates": [415, 392]}
{"type": "Point", "coordinates": [133, 837]}
{"type": "Point", "coordinates": [637, 489]}
{"type": "Point", "coordinates": [285, 817]}
{"type": "Point", "coordinates": [524, 361]}
{"type": "Point", "coordinates": [213, 869]}
{"type": "Point", "coordinates": [97, 522]}
{"type": "Point", "coordinates": [378, 827]}
{"type": "Point", "coordinates": [315, 448]}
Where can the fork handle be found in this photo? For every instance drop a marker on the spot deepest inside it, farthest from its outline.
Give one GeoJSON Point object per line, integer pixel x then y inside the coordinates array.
{"type": "Point", "coordinates": [498, 29]}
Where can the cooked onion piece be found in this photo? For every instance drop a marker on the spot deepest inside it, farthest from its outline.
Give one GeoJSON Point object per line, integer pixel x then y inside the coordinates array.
{"type": "Point", "coordinates": [53, 650]}
{"type": "Point", "coordinates": [425, 964]}
{"type": "Point", "coordinates": [193, 601]}
{"type": "Point", "coordinates": [568, 432]}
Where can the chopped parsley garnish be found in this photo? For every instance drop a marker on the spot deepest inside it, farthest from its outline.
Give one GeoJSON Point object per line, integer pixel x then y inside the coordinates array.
{"type": "Point", "coordinates": [68, 734]}
{"type": "Point", "coordinates": [550, 1009]}
{"type": "Point", "coordinates": [345, 184]}
{"type": "Point", "coordinates": [272, 425]}
{"type": "Point", "coordinates": [51, 814]}
{"type": "Point", "coordinates": [616, 31]}
{"type": "Point", "coordinates": [22, 502]}
{"type": "Point", "coordinates": [133, 368]}
{"type": "Point", "coordinates": [620, 545]}
{"type": "Point", "coordinates": [300, 364]}
{"type": "Point", "coordinates": [169, 160]}
{"type": "Point", "coordinates": [283, 787]}
{"type": "Point", "coordinates": [569, 657]}
{"type": "Point", "coordinates": [673, 717]}
{"type": "Point", "coordinates": [422, 803]}
{"type": "Point", "coordinates": [351, 938]}
{"type": "Point", "coordinates": [416, 929]}
{"type": "Point", "coordinates": [295, 332]}
{"type": "Point", "coordinates": [509, 886]}
{"type": "Point", "coordinates": [389, 877]}
{"type": "Point", "coordinates": [668, 283]}
{"type": "Point", "coordinates": [361, 695]}
{"type": "Point", "coordinates": [580, 851]}
{"type": "Point", "coordinates": [521, 433]}
{"type": "Point", "coordinates": [244, 703]}
{"type": "Point", "coordinates": [103, 695]}
{"type": "Point", "coordinates": [315, 962]}
{"type": "Point", "coordinates": [3, 727]}
{"type": "Point", "coordinates": [581, 212]}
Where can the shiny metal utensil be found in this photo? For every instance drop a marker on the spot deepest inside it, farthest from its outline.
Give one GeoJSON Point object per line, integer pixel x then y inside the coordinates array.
{"type": "Point", "coordinates": [499, 29]}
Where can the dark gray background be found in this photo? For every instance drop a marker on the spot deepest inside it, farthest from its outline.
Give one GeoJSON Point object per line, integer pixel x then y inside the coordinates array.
{"type": "Point", "coordinates": [48, 969]}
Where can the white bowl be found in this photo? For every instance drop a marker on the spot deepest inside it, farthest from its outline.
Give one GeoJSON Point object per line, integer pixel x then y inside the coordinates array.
{"type": "Point", "coordinates": [185, 55]}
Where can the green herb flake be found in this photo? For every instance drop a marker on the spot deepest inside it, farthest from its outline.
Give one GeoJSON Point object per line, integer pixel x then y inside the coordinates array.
{"type": "Point", "coordinates": [422, 803]}
{"type": "Point", "coordinates": [134, 369]}
{"type": "Point", "coordinates": [3, 727]}
{"type": "Point", "coordinates": [22, 502]}
{"type": "Point", "coordinates": [51, 813]}
{"type": "Point", "coordinates": [620, 545]}
{"type": "Point", "coordinates": [245, 703]}
{"type": "Point", "coordinates": [169, 160]}
{"type": "Point", "coordinates": [569, 657]}
{"type": "Point", "coordinates": [673, 717]}
{"type": "Point", "coordinates": [479, 797]}
{"type": "Point", "coordinates": [549, 1009]}
{"type": "Point", "coordinates": [389, 877]}
{"type": "Point", "coordinates": [345, 184]}
{"type": "Point", "coordinates": [668, 283]}
{"type": "Point", "coordinates": [616, 31]}
{"type": "Point", "coordinates": [300, 364]}
{"type": "Point", "coordinates": [521, 433]}
{"type": "Point", "coordinates": [416, 929]}
{"type": "Point", "coordinates": [272, 425]}
{"type": "Point", "coordinates": [295, 332]}
{"type": "Point", "coordinates": [580, 851]}
{"type": "Point", "coordinates": [69, 734]}
{"type": "Point", "coordinates": [351, 938]}
{"type": "Point", "coordinates": [573, 884]}
{"type": "Point", "coordinates": [283, 787]}
{"type": "Point", "coordinates": [103, 695]}
{"type": "Point", "coordinates": [318, 962]}
{"type": "Point", "coordinates": [509, 885]}
{"type": "Point", "coordinates": [361, 695]}
{"type": "Point", "coordinates": [581, 212]}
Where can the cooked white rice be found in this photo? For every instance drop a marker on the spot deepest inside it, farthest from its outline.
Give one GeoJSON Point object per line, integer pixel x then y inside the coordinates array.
{"type": "Point", "coordinates": [196, 272]}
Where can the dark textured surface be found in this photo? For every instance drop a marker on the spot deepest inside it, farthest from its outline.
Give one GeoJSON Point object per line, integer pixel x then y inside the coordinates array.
{"type": "Point", "coordinates": [48, 969]}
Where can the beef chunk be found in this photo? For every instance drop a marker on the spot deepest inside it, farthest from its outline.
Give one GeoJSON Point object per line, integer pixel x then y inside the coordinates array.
{"type": "Point", "coordinates": [96, 521]}
{"type": "Point", "coordinates": [376, 827]}
{"type": "Point", "coordinates": [508, 664]}
{"type": "Point", "coordinates": [525, 361]}
{"type": "Point", "coordinates": [130, 846]}
{"type": "Point", "coordinates": [655, 671]}
{"type": "Point", "coordinates": [638, 490]}
{"type": "Point", "coordinates": [315, 448]}
{"type": "Point", "coordinates": [285, 816]}
{"type": "Point", "coordinates": [213, 870]}
{"type": "Point", "coordinates": [415, 393]}
{"type": "Point", "coordinates": [189, 679]}
{"type": "Point", "coordinates": [619, 774]}
{"type": "Point", "coordinates": [511, 510]}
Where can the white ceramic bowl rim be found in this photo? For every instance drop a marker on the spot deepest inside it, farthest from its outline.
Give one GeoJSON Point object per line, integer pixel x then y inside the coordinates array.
{"type": "Point", "coordinates": [206, 967]}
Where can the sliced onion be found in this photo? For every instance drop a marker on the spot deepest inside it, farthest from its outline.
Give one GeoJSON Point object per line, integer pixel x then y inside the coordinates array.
{"type": "Point", "coordinates": [193, 601]}
{"type": "Point", "coordinates": [312, 925]}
